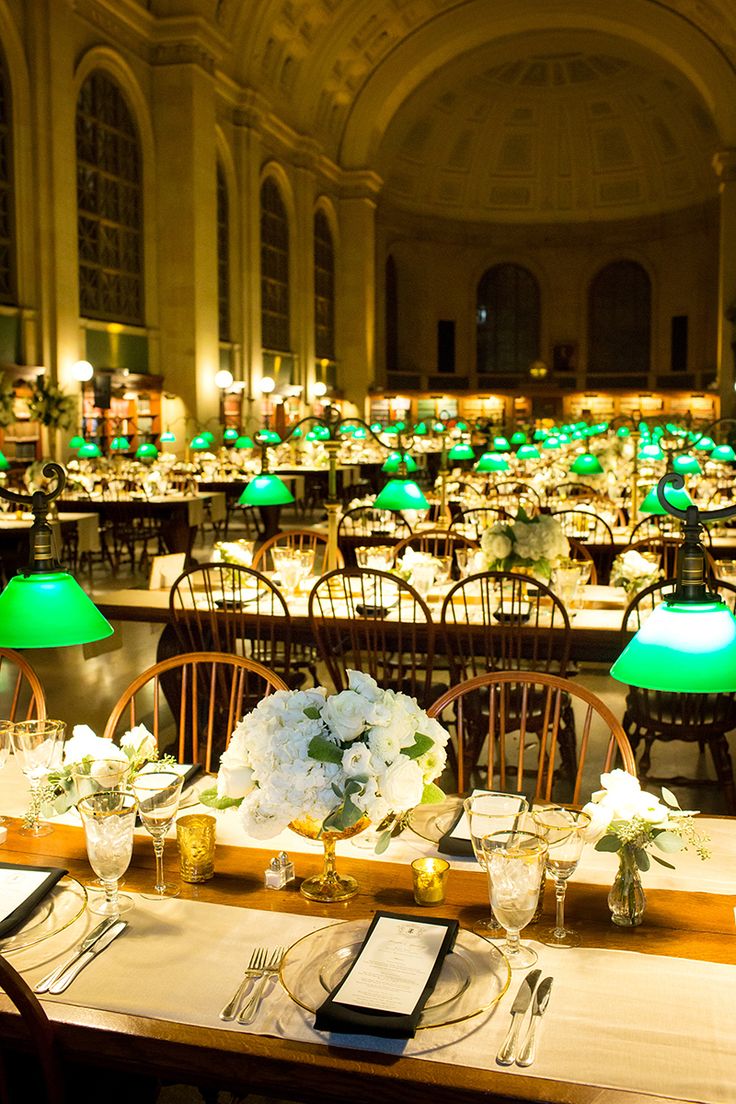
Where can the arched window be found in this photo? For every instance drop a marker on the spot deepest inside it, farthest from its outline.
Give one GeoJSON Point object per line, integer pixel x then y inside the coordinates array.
{"type": "Point", "coordinates": [507, 320]}
{"type": "Point", "coordinates": [8, 293]}
{"type": "Point", "coordinates": [619, 320]}
{"type": "Point", "coordinates": [392, 316]}
{"type": "Point", "coordinates": [324, 288]}
{"type": "Point", "coordinates": [109, 204]}
{"type": "Point", "coordinates": [223, 256]}
{"type": "Point", "coordinates": [275, 329]}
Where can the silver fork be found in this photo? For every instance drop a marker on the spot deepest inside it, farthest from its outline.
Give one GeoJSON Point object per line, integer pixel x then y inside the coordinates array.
{"type": "Point", "coordinates": [258, 962]}
{"type": "Point", "coordinates": [249, 1010]}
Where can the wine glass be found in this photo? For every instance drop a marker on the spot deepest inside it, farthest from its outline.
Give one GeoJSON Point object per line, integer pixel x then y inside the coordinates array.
{"type": "Point", "coordinates": [109, 820]}
{"type": "Point", "coordinates": [39, 744]}
{"type": "Point", "coordinates": [158, 795]}
{"type": "Point", "coordinates": [487, 813]}
{"type": "Point", "coordinates": [515, 863]}
{"type": "Point", "coordinates": [6, 735]}
{"type": "Point", "coordinates": [564, 830]}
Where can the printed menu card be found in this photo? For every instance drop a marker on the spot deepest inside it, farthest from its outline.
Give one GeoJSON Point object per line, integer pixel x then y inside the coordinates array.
{"type": "Point", "coordinates": [392, 977]}
{"type": "Point", "coordinates": [21, 889]}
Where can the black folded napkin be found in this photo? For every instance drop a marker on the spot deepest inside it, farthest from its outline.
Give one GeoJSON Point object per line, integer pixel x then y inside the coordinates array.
{"type": "Point", "coordinates": [19, 915]}
{"type": "Point", "coordinates": [353, 1020]}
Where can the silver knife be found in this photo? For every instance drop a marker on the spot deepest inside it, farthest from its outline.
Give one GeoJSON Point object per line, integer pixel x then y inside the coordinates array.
{"type": "Point", "coordinates": [84, 959]}
{"type": "Point", "coordinates": [43, 985]}
{"type": "Point", "coordinates": [541, 1000]}
{"type": "Point", "coordinates": [507, 1054]}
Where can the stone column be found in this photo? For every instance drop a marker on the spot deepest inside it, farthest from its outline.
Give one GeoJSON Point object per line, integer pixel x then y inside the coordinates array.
{"type": "Point", "coordinates": [186, 179]}
{"type": "Point", "coordinates": [302, 328]}
{"type": "Point", "coordinates": [248, 153]}
{"type": "Point", "coordinates": [356, 319]}
{"type": "Point", "coordinates": [724, 163]}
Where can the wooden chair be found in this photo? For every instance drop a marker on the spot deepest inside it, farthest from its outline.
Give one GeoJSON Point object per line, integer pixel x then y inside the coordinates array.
{"type": "Point", "coordinates": [652, 715]}
{"type": "Point", "coordinates": [658, 526]}
{"type": "Point", "coordinates": [230, 608]}
{"type": "Point", "coordinates": [584, 525]}
{"type": "Point", "coordinates": [301, 539]}
{"type": "Point", "coordinates": [494, 709]}
{"type": "Point", "coordinates": [435, 542]}
{"type": "Point", "coordinates": [21, 693]}
{"type": "Point", "coordinates": [472, 522]}
{"type": "Point", "coordinates": [366, 525]}
{"type": "Point", "coordinates": [204, 697]}
{"type": "Point", "coordinates": [42, 1071]}
{"type": "Point", "coordinates": [351, 615]}
{"type": "Point", "coordinates": [665, 548]}
{"type": "Point", "coordinates": [511, 496]}
{"type": "Point", "coordinates": [580, 554]}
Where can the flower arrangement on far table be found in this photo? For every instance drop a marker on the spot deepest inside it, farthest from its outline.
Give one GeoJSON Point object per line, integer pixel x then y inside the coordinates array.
{"type": "Point", "coordinates": [91, 757]}
{"type": "Point", "coordinates": [634, 824]}
{"type": "Point", "coordinates": [532, 543]}
{"type": "Point", "coordinates": [633, 572]}
{"type": "Point", "coordinates": [328, 765]}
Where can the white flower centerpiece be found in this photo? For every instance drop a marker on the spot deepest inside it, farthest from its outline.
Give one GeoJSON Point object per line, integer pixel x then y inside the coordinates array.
{"type": "Point", "coordinates": [329, 765]}
{"type": "Point", "coordinates": [633, 572]}
{"type": "Point", "coordinates": [534, 544]}
{"type": "Point", "coordinates": [634, 824]}
{"type": "Point", "coordinates": [92, 763]}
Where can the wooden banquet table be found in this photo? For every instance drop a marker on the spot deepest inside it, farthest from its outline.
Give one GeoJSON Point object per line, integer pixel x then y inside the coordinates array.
{"type": "Point", "coordinates": [150, 1003]}
{"type": "Point", "coordinates": [179, 515]}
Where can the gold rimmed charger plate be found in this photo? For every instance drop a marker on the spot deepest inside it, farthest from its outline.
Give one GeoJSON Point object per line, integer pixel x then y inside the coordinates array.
{"type": "Point", "coordinates": [58, 910]}
{"type": "Point", "coordinates": [431, 822]}
{"type": "Point", "coordinates": [474, 976]}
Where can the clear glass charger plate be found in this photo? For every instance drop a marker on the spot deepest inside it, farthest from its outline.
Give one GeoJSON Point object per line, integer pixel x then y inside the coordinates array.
{"type": "Point", "coordinates": [431, 822]}
{"type": "Point", "coordinates": [474, 976]}
{"type": "Point", "coordinates": [58, 910]}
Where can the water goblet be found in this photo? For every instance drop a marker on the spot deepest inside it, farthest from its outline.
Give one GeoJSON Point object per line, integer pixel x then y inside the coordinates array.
{"type": "Point", "coordinates": [564, 830]}
{"type": "Point", "coordinates": [6, 735]}
{"type": "Point", "coordinates": [463, 559]}
{"type": "Point", "coordinates": [515, 863]}
{"type": "Point", "coordinates": [158, 795]}
{"type": "Point", "coordinates": [39, 744]}
{"type": "Point", "coordinates": [422, 577]}
{"type": "Point", "coordinates": [487, 813]}
{"type": "Point", "coordinates": [109, 819]}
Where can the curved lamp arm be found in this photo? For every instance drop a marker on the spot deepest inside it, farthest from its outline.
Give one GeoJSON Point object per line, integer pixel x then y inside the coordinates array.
{"type": "Point", "coordinates": [40, 536]}
{"type": "Point", "coordinates": [690, 582]}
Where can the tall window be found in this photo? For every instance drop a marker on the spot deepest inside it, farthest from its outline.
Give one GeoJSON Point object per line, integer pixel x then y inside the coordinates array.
{"type": "Point", "coordinates": [324, 288]}
{"type": "Point", "coordinates": [7, 219]}
{"type": "Point", "coordinates": [619, 320]}
{"type": "Point", "coordinates": [109, 204]}
{"type": "Point", "coordinates": [275, 329]}
{"type": "Point", "coordinates": [507, 320]}
{"type": "Point", "coordinates": [223, 257]}
{"type": "Point", "coordinates": [392, 315]}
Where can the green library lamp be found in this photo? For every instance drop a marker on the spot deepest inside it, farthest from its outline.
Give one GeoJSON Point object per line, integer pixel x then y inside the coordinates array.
{"type": "Point", "coordinates": [230, 434]}
{"type": "Point", "coordinates": [528, 452]}
{"type": "Point", "coordinates": [688, 643]}
{"type": "Point", "coordinates": [652, 504]}
{"type": "Point", "coordinates": [420, 429]}
{"type": "Point", "coordinates": [586, 464]}
{"type": "Point", "coordinates": [724, 454]}
{"type": "Point", "coordinates": [401, 494]}
{"type": "Point", "coordinates": [705, 444]}
{"type": "Point", "coordinates": [146, 451]}
{"type": "Point", "coordinates": [266, 489]}
{"type": "Point", "coordinates": [550, 443]}
{"type": "Point", "coordinates": [686, 465]}
{"type": "Point", "coordinates": [391, 465]}
{"type": "Point", "coordinates": [623, 431]}
{"type": "Point", "coordinates": [438, 427]}
{"type": "Point", "coordinates": [461, 451]}
{"type": "Point", "coordinates": [89, 451]}
{"type": "Point", "coordinates": [244, 442]}
{"type": "Point", "coordinates": [651, 452]}
{"type": "Point", "coordinates": [199, 443]}
{"type": "Point", "coordinates": [376, 427]}
{"type": "Point", "coordinates": [493, 462]}
{"type": "Point", "coordinates": [76, 441]}
{"type": "Point", "coordinates": [501, 444]}
{"type": "Point", "coordinates": [43, 606]}
{"type": "Point", "coordinates": [119, 444]}
{"type": "Point", "coordinates": [540, 435]}
{"type": "Point", "coordinates": [167, 437]}
{"type": "Point", "coordinates": [208, 436]}
{"type": "Point", "coordinates": [518, 438]}
{"type": "Point", "coordinates": [4, 462]}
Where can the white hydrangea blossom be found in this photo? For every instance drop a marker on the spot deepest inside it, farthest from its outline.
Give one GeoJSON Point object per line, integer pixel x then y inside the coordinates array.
{"type": "Point", "coordinates": [530, 542]}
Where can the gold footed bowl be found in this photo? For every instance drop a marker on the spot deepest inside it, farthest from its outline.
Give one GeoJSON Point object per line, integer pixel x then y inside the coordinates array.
{"type": "Point", "coordinates": [328, 886]}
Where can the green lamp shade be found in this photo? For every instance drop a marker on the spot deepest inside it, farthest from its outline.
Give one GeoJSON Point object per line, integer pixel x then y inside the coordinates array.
{"type": "Point", "coordinates": [376, 427]}
{"type": "Point", "coordinates": [4, 463]}
{"type": "Point", "coordinates": [146, 451]}
{"type": "Point", "coordinates": [47, 611]}
{"type": "Point", "coordinates": [89, 451]}
{"type": "Point", "coordinates": [321, 433]}
{"type": "Point", "coordinates": [501, 444]}
{"type": "Point", "coordinates": [167, 437]}
{"type": "Point", "coordinates": [401, 494]}
{"type": "Point", "coordinates": [518, 438]}
{"type": "Point", "coordinates": [551, 443]}
{"type": "Point", "coordinates": [119, 444]}
{"type": "Point", "coordinates": [421, 429]}
{"type": "Point", "coordinates": [528, 452]}
{"type": "Point", "coordinates": [438, 427]}
{"type": "Point", "coordinates": [686, 465]}
{"type": "Point", "coordinates": [586, 464]}
{"type": "Point", "coordinates": [462, 426]}
{"type": "Point", "coordinates": [705, 444]}
{"type": "Point", "coordinates": [540, 435]}
{"type": "Point", "coordinates": [461, 451]}
{"type": "Point", "coordinates": [651, 452]}
{"type": "Point", "coordinates": [297, 432]}
{"type": "Point", "coordinates": [360, 434]}
{"type": "Point", "coordinates": [677, 498]}
{"type": "Point", "coordinates": [682, 646]}
{"type": "Point", "coordinates": [230, 434]}
{"type": "Point", "coordinates": [266, 490]}
{"type": "Point", "coordinates": [392, 464]}
{"type": "Point", "coordinates": [623, 431]}
{"type": "Point", "coordinates": [198, 443]}
{"type": "Point", "coordinates": [493, 462]}
{"type": "Point", "coordinates": [76, 441]}
{"type": "Point", "coordinates": [724, 454]}
{"type": "Point", "coordinates": [208, 436]}
{"type": "Point", "coordinates": [242, 443]}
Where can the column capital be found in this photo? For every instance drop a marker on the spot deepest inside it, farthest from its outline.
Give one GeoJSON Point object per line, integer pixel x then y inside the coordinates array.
{"type": "Point", "coordinates": [360, 184]}
{"type": "Point", "coordinates": [724, 165]}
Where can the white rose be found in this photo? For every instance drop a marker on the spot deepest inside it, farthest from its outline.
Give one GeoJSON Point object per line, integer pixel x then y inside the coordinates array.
{"type": "Point", "coordinates": [262, 817]}
{"type": "Point", "coordinates": [364, 684]}
{"type": "Point", "coordinates": [356, 760]}
{"type": "Point", "coordinates": [345, 714]}
{"type": "Point", "coordinates": [85, 744]}
{"type": "Point", "coordinates": [234, 781]}
{"type": "Point", "coordinates": [600, 820]}
{"type": "Point", "coordinates": [140, 742]}
{"type": "Point", "coordinates": [402, 785]}
{"type": "Point", "coordinates": [109, 773]}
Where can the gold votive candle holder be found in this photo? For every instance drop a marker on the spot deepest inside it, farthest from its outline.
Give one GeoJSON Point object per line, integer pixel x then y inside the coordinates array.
{"type": "Point", "coordinates": [429, 877]}
{"type": "Point", "coordinates": [195, 834]}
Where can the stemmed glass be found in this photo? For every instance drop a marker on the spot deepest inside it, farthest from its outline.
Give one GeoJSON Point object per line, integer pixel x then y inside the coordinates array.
{"type": "Point", "coordinates": [158, 795]}
{"type": "Point", "coordinates": [515, 863]}
{"type": "Point", "coordinates": [6, 735]}
{"type": "Point", "coordinates": [487, 814]}
{"type": "Point", "coordinates": [564, 830]}
{"type": "Point", "coordinates": [109, 820]}
{"type": "Point", "coordinates": [39, 744]}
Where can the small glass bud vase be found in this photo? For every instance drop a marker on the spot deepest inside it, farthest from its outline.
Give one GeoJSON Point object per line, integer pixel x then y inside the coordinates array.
{"type": "Point", "coordinates": [627, 900]}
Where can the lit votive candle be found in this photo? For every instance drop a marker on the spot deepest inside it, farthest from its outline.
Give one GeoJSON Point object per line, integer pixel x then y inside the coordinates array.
{"type": "Point", "coordinates": [429, 877]}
